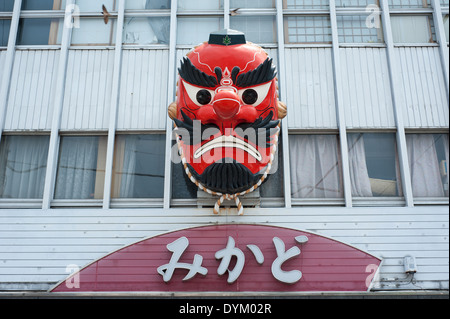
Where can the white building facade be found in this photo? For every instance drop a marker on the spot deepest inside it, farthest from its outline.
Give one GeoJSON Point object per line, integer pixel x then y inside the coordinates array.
{"type": "Point", "coordinates": [86, 158]}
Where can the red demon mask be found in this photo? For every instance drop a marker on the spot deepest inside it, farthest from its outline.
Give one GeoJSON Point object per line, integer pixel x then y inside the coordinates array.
{"type": "Point", "coordinates": [227, 114]}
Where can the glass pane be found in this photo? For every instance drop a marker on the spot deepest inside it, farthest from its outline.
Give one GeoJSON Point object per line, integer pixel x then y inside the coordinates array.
{"type": "Point", "coordinates": [413, 29]}
{"type": "Point", "coordinates": [94, 31]}
{"type": "Point", "coordinates": [374, 165]}
{"type": "Point", "coordinates": [4, 32]}
{"type": "Point", "coordinates": [96, 6]}
{"type": "Point", "coordinates": [308, 29]}
{"type": "Point", "coordinates": [147, 4]}
{"type": "Point", "coordinates": [305, 4]}
{"type": "Point", "coordinates": [41, 4]}
{"type": "Point", "coordinates": [40, 31]}
{"type": "Point", "coordinates": [152, 30]}
{"type": "Point", "coordinates": [355, 3]}
{"type": "Point", "coordinates": [257, 29]}
{"type": "Point", "coordinates": [409, 3]}
{"type": "Point", "coordinates": [193, 31]}
{"type": "Point", "coordinates": [315, 168]}
{"type": "Point", "coordinates": [6, 5]}
{"type": "Point", "coordinates": [359, 29]}
{"type": "Point", "coordinates": [23, 163]}
{"type": "Point", "coordinates": [81, 167]}
{"type": "Point", "coordinates": [139, 166]}
{"type": "Point", "coordinates": [428, 160]}
{"type": "Point", "coordinates": [446, 27]}
{"type": "Point", "coordinates": [200, 5]}
{"type": "Point", "coordinates": [252, 3]}
{"type": "Point", "coordinates": [273, 187]}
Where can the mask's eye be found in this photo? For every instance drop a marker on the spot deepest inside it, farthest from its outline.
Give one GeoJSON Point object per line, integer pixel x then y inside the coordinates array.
{"type": "Point", "coordinates": [250, 96]}
{"type": "Point", "coordinates": [203, 97]}
{"type": "Point", "coordinates": [255, 95]}
{"type": "Point", "coordinates": [198, 95]}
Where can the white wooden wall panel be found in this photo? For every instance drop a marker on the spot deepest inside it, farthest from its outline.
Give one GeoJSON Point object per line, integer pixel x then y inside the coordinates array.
{"type": "Point", "coordinates": [32, 90]}
{"type": "Point", "coordinates": [366, 92]}
{"type": "Point", "coordinates": [88, 90]}
{"type": "Point", "coordinates": [143, 93]}
{"type": "Point", "coordinates": [36, 246]}
{"type": "Point", "coordinates": [422, 87]}
{"type": "Point", "coordinates": [310, 88]}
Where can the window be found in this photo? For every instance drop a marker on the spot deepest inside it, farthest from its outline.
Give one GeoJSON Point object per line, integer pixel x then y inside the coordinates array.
{"type": "Point", "coordinates": [446, 26]}
{"type": "Point", "coordinates": [95, 30]}
{"type": "Point", "coordinates": [428, 160]}
{"type": "Point", "coordinates": [374, 169]}
{"type": "Point", "coordinates": [413, 29]}
{"type": "Point", "coordinates": [409, 4]}
{"type": "Point", "coordinates": [147, 30]}
{"type": "Point", "coordinates": [252, 3]}
{"type": "Point", "coordinates": [257, 29]}
{"type": "Point", "coordinates": [81, 167]}
{"type": "Point", "coordinates": [43, 4]}
{"type": "Point", "coordinates": [5, 25]}
{"type": "Point", "coordinates": [39, 31]}
{"type": "Point", "coordinates": [23, 163]}
{"type": "Point", "coordinates": [147, 4]}
{"type": "Point", "coordinates": [315, 166]}
{"type": "Point", "coordinates": [308, 29]}
{"type": "Point", "coordinates": [200, 5]}
{"type": "Point", "coordinates": [6, 5]}
{"type": "Point", "coordinates": [305, 4]}
{"type": "Point", "coordinates": [192, 31]}
{"type": "Point", "coordinates": [139, 163]}
{"type": "Point", "coordinates": [356, 3]}
{"type": "Point", "coordinates": [142, 31]}
{"type": "Point", "coordinates": [354, 29]}
{"type": "Point", "coordinates": [96, 6]}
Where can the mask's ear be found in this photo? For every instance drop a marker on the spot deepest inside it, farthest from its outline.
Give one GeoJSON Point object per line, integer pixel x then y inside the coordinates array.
{"type": "Point", "coordinates": [173, 110]}
{"type": "Point", "coordinates": [282, 110]}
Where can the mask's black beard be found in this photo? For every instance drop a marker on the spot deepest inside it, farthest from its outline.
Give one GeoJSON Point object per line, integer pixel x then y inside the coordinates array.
{"type": "Point", "coordinates": [227, 177]}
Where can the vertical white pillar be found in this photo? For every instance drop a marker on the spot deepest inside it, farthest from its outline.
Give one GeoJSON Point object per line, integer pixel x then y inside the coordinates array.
{"type": "Point", "coordinates": [8, 65]}
{"type": "Point", "coordinates": [339, 107]}
{"type": "Point", "coordinates": [398, 104]}
{"type": "Point", "coordinates": [283, 94]}
{"type": "Point", "coordinates": [442, 40]}
{"type": "Point", "coordinates": [171, 95]}
{"type": "Point", "coordinates": [114, 105]}
{"type": "Point", "coordinates": [52, 160]}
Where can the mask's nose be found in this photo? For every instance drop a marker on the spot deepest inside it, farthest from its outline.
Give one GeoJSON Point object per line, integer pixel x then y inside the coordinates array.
{"type": "Point", "coordinates": [226, 103]}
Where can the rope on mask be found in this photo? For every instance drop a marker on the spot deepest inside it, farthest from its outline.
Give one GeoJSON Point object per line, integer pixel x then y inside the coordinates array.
{"type": "Point", "coordinates": [224, 197]}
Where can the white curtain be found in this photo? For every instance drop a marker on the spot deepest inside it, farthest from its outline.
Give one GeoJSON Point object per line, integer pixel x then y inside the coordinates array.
{"type": "Point", "coordinates": [23, 162]}
{"type": "Point", "coordinates": [359, 174]}
{"type": "Point", "coordinates": [77, 168]}
{"type": "Point", "coordinates": [314, 166]}
{"type": "Point", "coordinates": [128, 174]}
{"type": "Point", "coordinates": [424, 165]}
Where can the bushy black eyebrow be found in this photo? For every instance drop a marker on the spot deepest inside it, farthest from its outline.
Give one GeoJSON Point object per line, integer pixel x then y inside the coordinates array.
{"type": "Point", "coordinates": [264, 73]}
{"type": "Point", "coordinates": [192, 75]}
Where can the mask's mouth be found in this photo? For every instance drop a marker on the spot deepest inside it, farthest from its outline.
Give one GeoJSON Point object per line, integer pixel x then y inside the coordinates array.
{"type": "Point", "coordinates": [230, 142]}
{"type": "Point", "coordinates": [227, 176]}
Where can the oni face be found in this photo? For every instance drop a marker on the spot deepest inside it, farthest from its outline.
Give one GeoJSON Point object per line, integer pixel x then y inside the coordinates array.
{"type": "Point", "coordinates": [227, 114]}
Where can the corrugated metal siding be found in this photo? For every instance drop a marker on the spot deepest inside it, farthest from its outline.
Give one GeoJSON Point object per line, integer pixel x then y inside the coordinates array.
{"type": "Point", "coordinates": [36, 246]}
{"type": "Point", "coordinates": [88, 90]}
{"type": "Point", "coordinates": [310, 88]}
{"type": "Point", "coordinates": [32, 90]}
{"type": "Point", "coordinates": [143, 94]}
{"type": "Point", "coordinates": [422, 87]}
{"type": "Point", "coordinates": [366, 92]}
